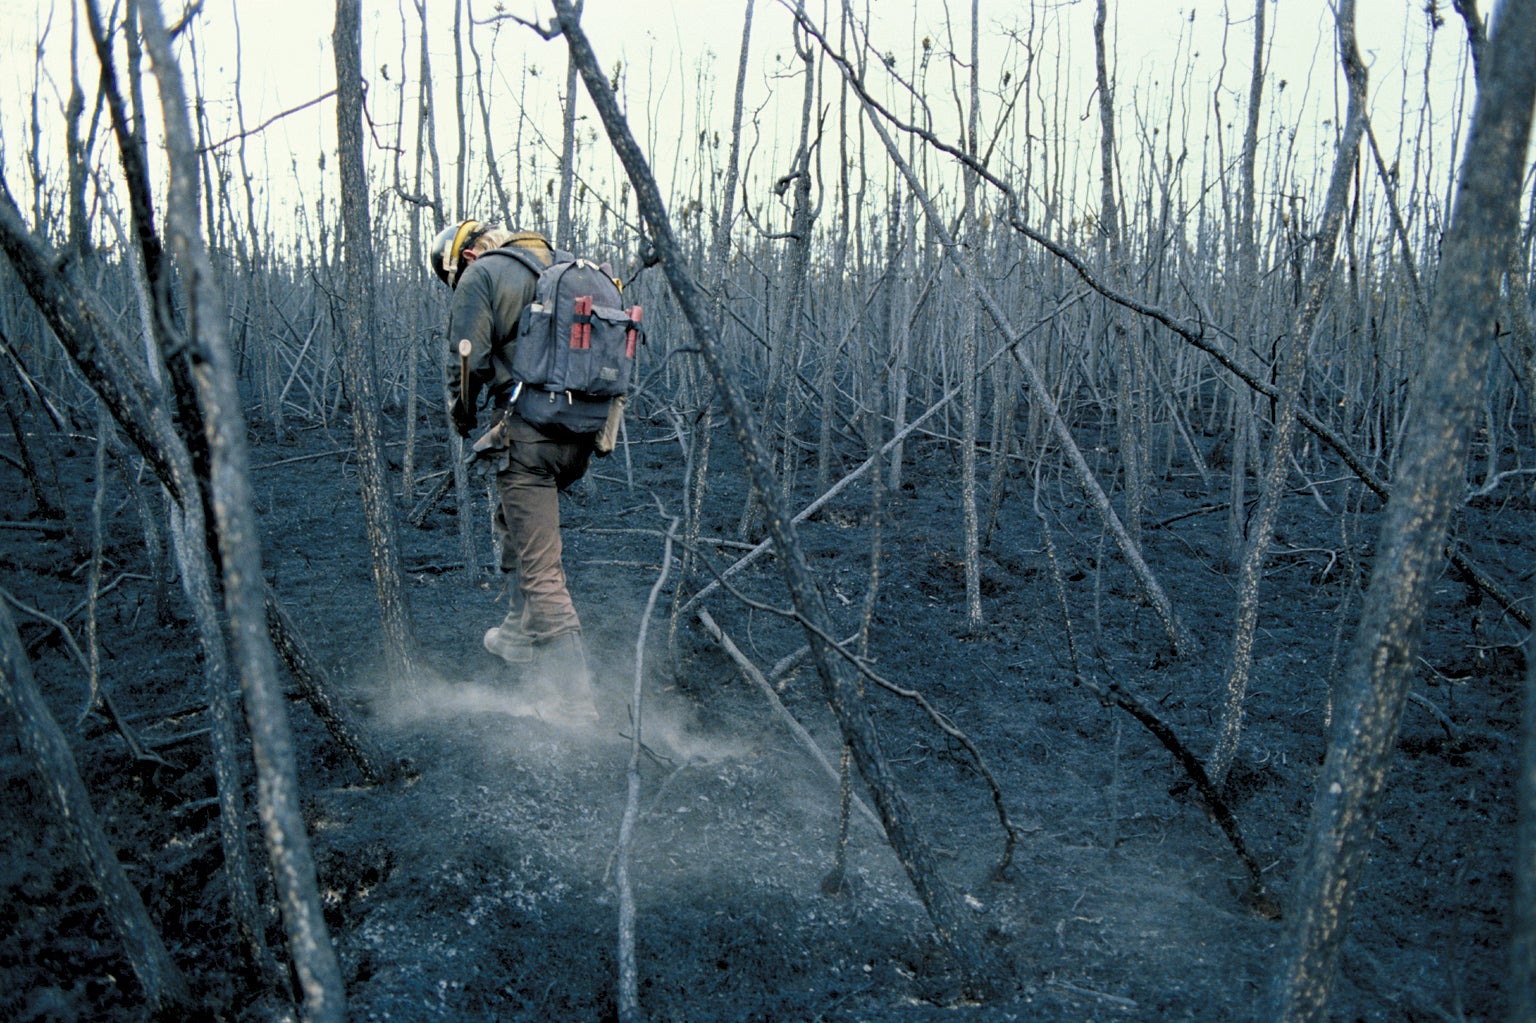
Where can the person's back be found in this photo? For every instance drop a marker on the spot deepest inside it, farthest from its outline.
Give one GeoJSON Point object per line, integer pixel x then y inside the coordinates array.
{"type": "Point", "coordinates": [541, 633]}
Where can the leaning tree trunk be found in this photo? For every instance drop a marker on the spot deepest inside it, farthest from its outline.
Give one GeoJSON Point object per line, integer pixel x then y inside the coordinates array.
{"type": "Point", "coordinates": [44, 743]}
{"type": "Point", "coordinates": [1292, 368]}
{"type": "Point", "coordinates": [1425, 495]}
{"type": "Point", "coordinates": [358, 333]}
{"type": "Point", "coordinates": [293, 866]}
{"type": "Point", "coordinates": [955, 925]}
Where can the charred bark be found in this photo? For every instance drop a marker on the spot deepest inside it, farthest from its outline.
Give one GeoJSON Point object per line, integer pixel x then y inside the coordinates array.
{"type": "Point", "coordinates": [399, 632]}
{"type": "Point", "coordinates": [954, 925]}
{"type": "Point", "coordinates": [287, 839]}
{"type": "Point", "coordinates": [1426, 494]}
{"type": "Point", "coordinates": [164, 985]}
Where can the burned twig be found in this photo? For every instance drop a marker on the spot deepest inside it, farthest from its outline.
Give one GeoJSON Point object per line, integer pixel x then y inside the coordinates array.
{"type": "Point", "coordinates": [212, 146]}
{"type": "Point", "coordinates": [1258, 898]}
{"type": "Point", "coordinates": [796, 729]}
{"type": "Point", "coordinates": [629, 988]}
{"type": "Point", "coordinates": [945, 725]}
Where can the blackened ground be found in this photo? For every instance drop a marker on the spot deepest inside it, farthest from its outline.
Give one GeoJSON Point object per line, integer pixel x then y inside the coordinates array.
{"type": "Point", "coordinates": [483, 888]}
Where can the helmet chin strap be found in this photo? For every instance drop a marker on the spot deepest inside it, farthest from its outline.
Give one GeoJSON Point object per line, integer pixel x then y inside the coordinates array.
{"type": "Point", "coordinates": [463, 264]}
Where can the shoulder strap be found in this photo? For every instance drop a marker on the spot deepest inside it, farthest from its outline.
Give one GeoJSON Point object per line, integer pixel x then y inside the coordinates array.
{"type": "Point", "coordinates": [534, 265]}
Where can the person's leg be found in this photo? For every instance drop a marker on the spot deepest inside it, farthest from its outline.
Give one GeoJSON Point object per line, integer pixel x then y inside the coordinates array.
{"type": "Point", "coordinates": [530, 512]}
{"type": "Point", "coordinates": [560, 672]}
{"type": "Point", "coordinates": [530, 506]}
{"type": "Point", "coordinates": [508, 640]}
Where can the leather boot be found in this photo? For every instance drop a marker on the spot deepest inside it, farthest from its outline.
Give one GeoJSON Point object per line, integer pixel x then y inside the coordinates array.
{"type": "Point", "coordinates": [508, 640]}
{"type": "Point", "coordinates": [562, 679]}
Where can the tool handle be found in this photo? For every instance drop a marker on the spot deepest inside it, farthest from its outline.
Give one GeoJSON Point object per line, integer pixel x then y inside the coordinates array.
{"type": "Point", "coordinates": [464, 349]}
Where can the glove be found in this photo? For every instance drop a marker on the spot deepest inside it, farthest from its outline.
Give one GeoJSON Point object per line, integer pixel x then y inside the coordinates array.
{"type": "Point", "coordinates": [463, 418]}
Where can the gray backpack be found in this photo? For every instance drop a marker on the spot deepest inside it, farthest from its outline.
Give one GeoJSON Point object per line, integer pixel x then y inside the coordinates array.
{"type": "Point", "coordinates": [575, 346]}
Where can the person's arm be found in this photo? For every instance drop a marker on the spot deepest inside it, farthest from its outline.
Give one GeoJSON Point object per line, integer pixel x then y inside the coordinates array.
{"type": "Point", "coordinates": [470, 315]}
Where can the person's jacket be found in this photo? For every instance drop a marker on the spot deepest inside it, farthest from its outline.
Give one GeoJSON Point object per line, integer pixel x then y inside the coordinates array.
{"type": "Point", "coordinates": [487, 303]}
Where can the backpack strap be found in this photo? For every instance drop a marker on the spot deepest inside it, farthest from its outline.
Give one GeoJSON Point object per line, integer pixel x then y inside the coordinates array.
{"type": "Point", "coordinates": [532, 263]}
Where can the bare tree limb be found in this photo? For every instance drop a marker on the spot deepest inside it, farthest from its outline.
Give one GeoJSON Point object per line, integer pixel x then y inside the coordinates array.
{"type": "Point", "coordinates": [1372, 693]}
{"type": "Point", "coordinates": [629, 985]}
{"type": "Point", "coordinates": [264, 125]}
{"type": "Point", "coordinates": [954, 924]}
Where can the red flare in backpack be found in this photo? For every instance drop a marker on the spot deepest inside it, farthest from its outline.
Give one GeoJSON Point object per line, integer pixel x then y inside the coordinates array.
{"type": "Point", "coordinates": [632, 335]}
{"type": "Point", "coordinates": [581, 325]}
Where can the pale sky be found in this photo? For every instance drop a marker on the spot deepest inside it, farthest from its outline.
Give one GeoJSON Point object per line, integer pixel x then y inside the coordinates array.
{"type": "Point", "coordinates": [680, 58]}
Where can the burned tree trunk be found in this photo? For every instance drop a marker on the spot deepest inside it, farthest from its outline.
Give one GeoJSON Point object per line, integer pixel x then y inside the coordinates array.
{"type": "Point", "coordinates": [1425, 496]}
{"type": "Point", "coordinates": [358, 366]}
{"type": "Point", "coordinates": [970, 379]}
{"type": "Point", "coordinates": [563, 235]}
{"type": "Point", "coordinates": [1128, 399]}
{"type": "Point", "coordinates": [953, 923]}
{"type": "Point", "coordinates": [1292, 369]}
{"type": "Point", "coordinates": [164, 985]}
{"type": "Point", "coordinates": [287, 839]}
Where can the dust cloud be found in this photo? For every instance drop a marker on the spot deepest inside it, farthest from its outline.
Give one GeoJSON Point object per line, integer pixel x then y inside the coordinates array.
{"type": "Point", "coordinates": [733, 802]}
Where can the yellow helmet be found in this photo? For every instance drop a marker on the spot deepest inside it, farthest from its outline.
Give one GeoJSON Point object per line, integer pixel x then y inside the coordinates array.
{"type": "Point", "coordinates": [449, 245]}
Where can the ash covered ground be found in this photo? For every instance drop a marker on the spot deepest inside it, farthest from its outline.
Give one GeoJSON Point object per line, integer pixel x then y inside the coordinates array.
{"type": "Point", "coordinates": [482, 888]}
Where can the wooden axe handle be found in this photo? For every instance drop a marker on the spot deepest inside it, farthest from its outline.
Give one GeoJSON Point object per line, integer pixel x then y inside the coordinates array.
{"type": "Point", "coordinates": [464, 349]}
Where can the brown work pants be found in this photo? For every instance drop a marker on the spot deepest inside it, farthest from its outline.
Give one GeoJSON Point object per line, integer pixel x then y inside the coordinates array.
{"type": "Point", "coordinates": [532, 471]}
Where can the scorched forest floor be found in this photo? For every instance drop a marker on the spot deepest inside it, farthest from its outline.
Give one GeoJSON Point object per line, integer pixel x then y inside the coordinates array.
{"type": "Point", "coordinates": [482, 887]}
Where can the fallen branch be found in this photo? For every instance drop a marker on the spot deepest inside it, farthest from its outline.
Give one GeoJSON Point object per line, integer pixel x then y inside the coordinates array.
{"type": "Point", "coordinates": [316, 690]}
{"type": "Point", "coordinates": [424, 507]}
{"type": "Point", "coordinates": [796, 729]}
{"type": "Point", "coordinates": [629, 988]}
{"type": "Point", "coordinates": [1258, 898]}
{"type": "Point", "coordinates": [944, 724]}
{"type": "Point", "coordinates": [52, 530]}
{"type": "Point", "coordinates": [137, 748]}
{"type": "Point", "coordinates": [60, 627]}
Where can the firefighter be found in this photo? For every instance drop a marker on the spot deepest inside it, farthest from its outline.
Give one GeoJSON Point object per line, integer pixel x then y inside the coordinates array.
{"type": "Point", "coordinates": [541, 634]}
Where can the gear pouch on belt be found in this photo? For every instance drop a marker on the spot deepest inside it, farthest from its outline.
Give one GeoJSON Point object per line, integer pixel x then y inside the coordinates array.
{"type": "Point", "coordinates": [570, 410]}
